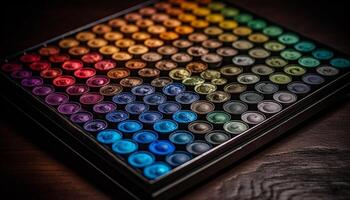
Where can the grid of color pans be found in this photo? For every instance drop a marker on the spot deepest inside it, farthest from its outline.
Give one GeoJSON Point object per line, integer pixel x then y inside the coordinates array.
{"type": "Point", "coordinates": [164, 84]}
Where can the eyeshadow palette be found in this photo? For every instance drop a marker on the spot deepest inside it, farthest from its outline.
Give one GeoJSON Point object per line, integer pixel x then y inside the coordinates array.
{"type": "Point", "coordinates": [162, 95]}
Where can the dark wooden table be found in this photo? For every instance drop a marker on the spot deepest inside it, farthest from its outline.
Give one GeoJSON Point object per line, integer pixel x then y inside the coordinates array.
{"type": "Point", "coordinates": [311, 161]}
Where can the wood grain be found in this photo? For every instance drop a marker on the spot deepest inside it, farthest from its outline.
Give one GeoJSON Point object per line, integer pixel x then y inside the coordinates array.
{"type": "Point", "coordinates": [309, 173]}
{"type": "Point", "coordinates": [310, 162]}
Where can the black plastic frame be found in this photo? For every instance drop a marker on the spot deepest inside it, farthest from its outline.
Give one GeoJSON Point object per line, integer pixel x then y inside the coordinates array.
{"type": "Point", "coordinates": [192, 172]}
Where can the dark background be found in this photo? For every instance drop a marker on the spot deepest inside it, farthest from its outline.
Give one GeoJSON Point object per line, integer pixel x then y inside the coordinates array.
{"type": "Point", "coordinates": [34, 167]}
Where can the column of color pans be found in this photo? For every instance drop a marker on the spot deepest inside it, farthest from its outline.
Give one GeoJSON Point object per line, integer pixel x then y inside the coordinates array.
{"type": "Point", "coordinates": [166, 83]}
